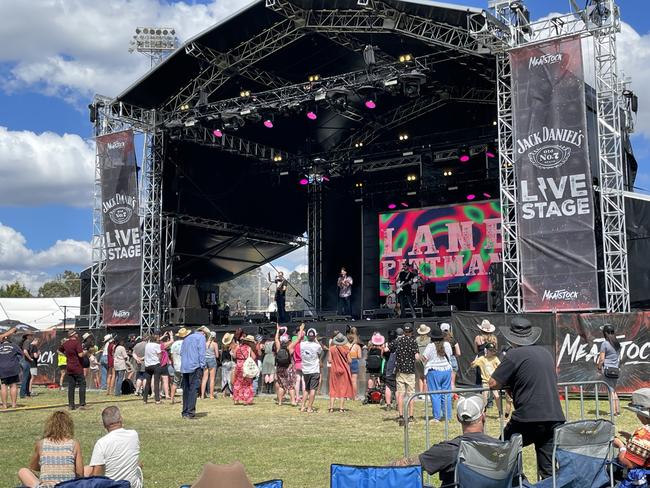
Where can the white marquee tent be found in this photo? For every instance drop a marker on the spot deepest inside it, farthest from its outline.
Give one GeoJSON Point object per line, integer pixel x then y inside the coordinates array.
{"type": "Point", "coordinates": [41, 313]}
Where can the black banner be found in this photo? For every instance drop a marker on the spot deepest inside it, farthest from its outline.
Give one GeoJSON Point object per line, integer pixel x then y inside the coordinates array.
{"type": "Point", "coordinates": [556, 205]}
{"type": "Point", "coordinates": [122, 242]}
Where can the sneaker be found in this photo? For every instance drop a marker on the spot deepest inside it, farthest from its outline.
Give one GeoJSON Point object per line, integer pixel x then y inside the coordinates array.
{"type": "Point", "coordinates": [411, 419]}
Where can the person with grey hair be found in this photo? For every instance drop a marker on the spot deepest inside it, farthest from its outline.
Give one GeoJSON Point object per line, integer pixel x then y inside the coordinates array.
{"type": "Point", "coordinates": [117, 454]}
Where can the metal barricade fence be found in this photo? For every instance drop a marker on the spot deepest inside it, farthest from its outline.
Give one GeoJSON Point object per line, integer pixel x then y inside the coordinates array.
{"type": "Point", "coordinates": [567, 389]}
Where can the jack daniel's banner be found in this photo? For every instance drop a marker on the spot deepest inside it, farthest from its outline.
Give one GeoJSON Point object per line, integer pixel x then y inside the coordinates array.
{"type": "Point", "coordinates": [556, 205]}
{"type": "Point", "coordinates": [122, 242]}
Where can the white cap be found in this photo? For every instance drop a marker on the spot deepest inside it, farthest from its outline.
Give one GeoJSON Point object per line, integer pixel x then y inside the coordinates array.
{"type": "Point", "coordinates": [445, 327]}
{"type": "Point", "coordinates": [470, 408]}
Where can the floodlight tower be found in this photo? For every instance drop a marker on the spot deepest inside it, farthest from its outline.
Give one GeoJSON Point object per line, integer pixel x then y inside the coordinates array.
{"type": "Point", "coordinates": [155, 42]}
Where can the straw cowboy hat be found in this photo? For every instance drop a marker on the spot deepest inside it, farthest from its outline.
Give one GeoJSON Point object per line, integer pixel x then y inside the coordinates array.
{"type": "Point", "coordinates": [85, 336]}
{"type": "Point", "coordinates": [521, 332]}
{"type": "Point", "coordinates": [108, 337]}
{"type": "Point", "coordinates": [640, 404]}
{"type": "Point", "coordinates": [424, 329]}
{"type": "Point", "coordinates": [249, 339]}
{"type": "Point", "coordinates": [377, 339]}
{"type": "Point", "coordinates": [223, 476]}
{"type": "Point", "coordinates": [487, 326]}
{"type": "Point", "coordinates": [340, 340]}
{"type": "Point", "coordinates": [227, 338]}
{"type": "Point", "coordinates": [182, 332]}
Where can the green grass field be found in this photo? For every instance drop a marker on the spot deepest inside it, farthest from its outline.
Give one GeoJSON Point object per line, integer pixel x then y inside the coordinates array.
{"type": "Point", "coordinates": [271, 441]}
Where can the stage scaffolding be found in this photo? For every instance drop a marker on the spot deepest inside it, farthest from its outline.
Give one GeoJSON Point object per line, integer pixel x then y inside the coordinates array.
{"type": "Point", "coordinates": [493, 32]}
{"type": "Point", "coordinates": [504, 27]}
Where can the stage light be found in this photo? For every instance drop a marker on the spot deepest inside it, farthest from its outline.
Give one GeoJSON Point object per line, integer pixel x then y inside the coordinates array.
{"type": "Point", "coordinates": [313, 78]}
{"type": "Point", "coordinates": [358, 184]}
{"type": "Point", "coordinates": [358, 144]}
{"type": "Point", "coordinates": [217, 133]}
{"type": "Point", "coordinates": [411, 178]}
{"type": "Point", "coordinates": [277, 158]}
{"type": "Point", "coordinates": [494, 122]}
{"type": "Point", "coordinates": [447, 172]}
{"type": "Point", "coordinates": [403, 137]}
{"type": "Point", "coordinates": [304, 181]}
{"type": "Point", "coordinates": [312, 112]}
{"type": "Point", "coordinates": [463, 155]}
{"type": "Point", "coordinates": [245, 93]}
{"type": "Point", "coordinates": [268, 122]}
{"type": "Point", "coordinates": [487, 195]}
{"type": "Point", "coordinates": [370, 102]}
{"type": "Point", "coordinates": [405, 58]}
{"type": "Point", "coordinates": [392, 206]}
{"type": "Point", "coordinates": [491, 152]}
{"type": "Point", "coordinates": [404, 204]}
{"type": "Point", "coordinates": [471, 196]}
{"type": "Point", "coordinates": [185, 106]}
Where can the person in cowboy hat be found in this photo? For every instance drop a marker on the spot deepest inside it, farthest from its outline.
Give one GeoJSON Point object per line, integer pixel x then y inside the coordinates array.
{"type": "Point", "coordinates": [175, 353]}
{"type": "Point", "coordinates": [635, 453]}
{"type": "Point", "coordinates": [423, 339]}
{"type": "Point", "coordinates": [340, 377]}
{"type": "Point", "coordinates": [243, 387]}
{"type": "Point", "coordinates": [437, 370]}
{"type": "Point", "coordinates": [227, 362]}
{"type": "Point", "coordinates": [528, 371]}
{"type": "Point", "coordinates": [310, 352]}
{"type": "Point", "coordinates": [485, 335]}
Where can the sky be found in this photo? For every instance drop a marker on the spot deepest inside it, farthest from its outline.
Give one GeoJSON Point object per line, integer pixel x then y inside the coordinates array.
{"type": "Point", "coordinates": [55, 55]}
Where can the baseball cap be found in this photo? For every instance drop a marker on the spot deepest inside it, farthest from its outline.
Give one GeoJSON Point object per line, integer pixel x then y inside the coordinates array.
{"type": "Point", "coordinates": [399, 331]}
{"type": "Point", "coordinates": [408, 327]}
{"type": "Point", "coordinates": [312, 333]}
{"type": "Point", "coordinates": [489, 345]}
{"type": "Point", "coordinates": [445, 327]}
{"type": "Point", "coordinates": [470, 408]}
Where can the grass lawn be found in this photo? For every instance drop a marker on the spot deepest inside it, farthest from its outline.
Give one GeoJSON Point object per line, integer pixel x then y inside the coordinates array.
{"type": "Point", "coordinates": [271, 441]}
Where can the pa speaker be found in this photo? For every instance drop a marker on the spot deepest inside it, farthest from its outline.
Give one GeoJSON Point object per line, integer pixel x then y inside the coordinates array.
{"type": "Point", "coordinates": [189, 316]}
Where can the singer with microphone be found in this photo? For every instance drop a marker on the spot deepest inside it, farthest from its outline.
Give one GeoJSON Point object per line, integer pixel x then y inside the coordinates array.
{"type": "Point", "coordinates": [280, 295]}
{"type": "Point", "coordinates": [344, 284]}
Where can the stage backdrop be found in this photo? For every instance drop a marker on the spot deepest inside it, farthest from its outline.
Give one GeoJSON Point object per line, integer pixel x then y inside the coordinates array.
{"type": "Point", "coordinates": [450, 244]}
{"type": "Point", "coordinates": [556, 207]}
{"type": "Point", "coordinates": [122, 274]}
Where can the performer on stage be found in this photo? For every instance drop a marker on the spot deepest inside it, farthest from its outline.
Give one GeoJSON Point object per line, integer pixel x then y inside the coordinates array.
{"type": "Point", "coordinates": [404, 288]}
{"type": "Point", "coordinates": [344, 285]}
{"type": "Point", "coordinates": [280, 295]}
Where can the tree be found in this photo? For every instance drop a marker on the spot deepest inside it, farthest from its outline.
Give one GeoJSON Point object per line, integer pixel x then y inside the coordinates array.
{"type": "Point", "coordinates": [67, 284]}
{"type": "Point", "coordinates": [14, 290]}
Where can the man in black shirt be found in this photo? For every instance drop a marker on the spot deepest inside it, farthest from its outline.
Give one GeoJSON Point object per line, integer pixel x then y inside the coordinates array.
{"type": "Point", "coordinates": [406, 353]}
{"type": "Point", "coordinates": [441, 458]}
{"type": "Point", "coordinates": [405, 289]}
{"type": "Point", "coordinates": [281, 286]}
{"type": "Point", "coordinates": [10, 355]}
{"type": "Point", "coordinates": [528, 371]}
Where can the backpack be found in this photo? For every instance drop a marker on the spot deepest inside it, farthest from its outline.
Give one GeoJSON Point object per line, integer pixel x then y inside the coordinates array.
{"type": "Point", "coordinates": [250, 369]}
{"type": "Point", "coordinates": [283, 358]}
{"type": "Point", "coordinates": [127, 387]}
{"type": "Point", "coordinates": [373, 361]}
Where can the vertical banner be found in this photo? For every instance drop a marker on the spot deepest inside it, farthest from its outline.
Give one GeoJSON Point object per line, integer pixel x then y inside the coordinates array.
{"type": "Point", "coordinates": [122, 274]}
{"type": "Point", "coordinates": [556, 204]}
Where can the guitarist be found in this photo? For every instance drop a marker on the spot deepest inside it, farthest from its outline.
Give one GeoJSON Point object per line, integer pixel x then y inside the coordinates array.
{"type": "Point", "coordinates": [404, 289]}
{"type": "Point", "coordinates": [280, 295]}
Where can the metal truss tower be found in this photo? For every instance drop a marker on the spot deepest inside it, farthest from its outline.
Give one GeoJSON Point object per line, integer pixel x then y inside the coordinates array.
{"type": "Point", "coordinates": [315, 243]}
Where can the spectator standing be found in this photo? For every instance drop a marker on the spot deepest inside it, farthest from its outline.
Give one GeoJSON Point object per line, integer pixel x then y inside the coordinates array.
{"type": "Point", "coordinates": [529, 372]}
{"type": "Point", "coordinates": [117, 454]}
{"type": "Point", "coordinates": [10, 355]}
{"type": "Point", "coordinates": [485, 336]}
{"type": "Point", "coordinates": [310, 352]}
{"type": "Point", "coordinates": [192, 365]}
{"type": "Point", "coordinates": [297, 364]}
{"type": "Point", "coordinates": [390, 370]}
{"type": "Point", "coordinates": [340, 378]}
{"type": "Point", "coordinates": [242, 386]}
{"type": "Point", "coordinates": [152, 354]}
{"type": "Point", "coordinates": [609, 362]}
{"type": "Point", "coordinates": [374, 359]}
{"type": "Point", "coordinates": [438, 373]}
{"type": "Point", "coordinates": [406, 353]}
{"type": "Point", "coordinates": [423, 341]}
{"type": "Point", "coordinates": [284, 365]}
{"type": "Point", "coordinates": [61, 362]}
{"type": "Point", "coordinates": [227, 363]}
{"type": "Point", "coordinates": [165, 343]}
{"type": "Point", "coordinates": [93, 369]}
{"type": "Point", "coordinates": [355, 356]}
{"type": "Point", "coordinates": [103, 361]}
{"type": "Point", "coordinates": [34, 354]}
{"type": "Point", "coordinates": [120, 358]}
{"type": "Point", "coordinates": [74, 370]}
{"type": "Point", "coordinates": [25, 366]}
{"type": "Point", "coordinates": [268, 366]}
{"type": "Point", "coordinates": [211, 357]}
{"type": "Point", "coordinates": [455, 349]}
{"type": "Point", "coordinates": [138, 356]}
{"type": "Point", "coordinates": [175, 353]}
{"type": "Point", "coordinates": [57, 456]}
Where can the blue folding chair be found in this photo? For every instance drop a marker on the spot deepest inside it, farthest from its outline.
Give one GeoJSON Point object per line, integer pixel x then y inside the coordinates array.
{"type": "Point", "coordinates": [94, 482]}
{"type": "Point", "coordinates": [269, 484]}
{"type": "Point", "coordinates": [343, 476]}
{"type": "Point", "coordinates": [488, 464]}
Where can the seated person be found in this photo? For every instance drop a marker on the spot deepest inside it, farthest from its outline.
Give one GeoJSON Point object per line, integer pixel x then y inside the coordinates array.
{"type": "Point", "coordinates": [117, 454]}
{"type": "Point", "coordinates": [56, 457]}
{"type": "Point", "coordinates": [636, 452]}
{"type": "Point", "coordinates": [441, 458]}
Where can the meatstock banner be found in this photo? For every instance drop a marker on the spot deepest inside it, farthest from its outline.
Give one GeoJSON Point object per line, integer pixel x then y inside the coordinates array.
{"type": "Point", "coordinates": [556, 205]}
{"type": "Point", "coordinates": [450, 244]}
{"type": "Point", "coordinates": [578, 342]}
{"type": "Point", "coordinates": [122, 274]}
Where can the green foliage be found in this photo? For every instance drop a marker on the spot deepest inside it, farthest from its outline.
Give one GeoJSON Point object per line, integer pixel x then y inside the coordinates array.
{"type": "Point", "coordinates": [14, 290]}
{"type": "Point", "coordinates": [66, 284]}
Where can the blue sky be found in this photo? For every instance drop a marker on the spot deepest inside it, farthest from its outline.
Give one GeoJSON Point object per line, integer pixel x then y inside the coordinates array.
{"type": "Point", "coordinates": [47, 78]}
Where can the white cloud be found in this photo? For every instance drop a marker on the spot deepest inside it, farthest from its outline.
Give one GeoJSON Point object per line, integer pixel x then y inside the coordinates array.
{"type": "Point", "coordinates": [47, 168]}
{"type": "Point", "coordinates": [76, 48]}
{"type": "Point", "coordinates": [19, 262]}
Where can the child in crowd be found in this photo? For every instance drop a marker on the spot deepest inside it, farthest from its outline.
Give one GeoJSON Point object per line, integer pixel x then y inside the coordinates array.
{"type": "Point", "coordinates": [487, 365]}
{"type": "Point", "coordinates": [94, 371]}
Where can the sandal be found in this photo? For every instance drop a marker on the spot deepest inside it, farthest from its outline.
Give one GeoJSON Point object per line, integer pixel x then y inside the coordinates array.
{"type": "Point", "coordinates": [330, 410]}
{"type": "Point", "coordinates": [310, 410]}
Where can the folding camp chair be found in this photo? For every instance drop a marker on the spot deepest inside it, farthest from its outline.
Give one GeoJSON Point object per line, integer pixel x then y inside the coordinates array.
{"type": "Point", "coordinates": [585, 448]}
{"type": "Point", "coordinates": [342, 476]}
{"type": "Point", "coordinates": [94, 482]}
{"type": "Point", "coordinates": [269, 484]}
{"type": "Point", "coordinates": [488, 464]}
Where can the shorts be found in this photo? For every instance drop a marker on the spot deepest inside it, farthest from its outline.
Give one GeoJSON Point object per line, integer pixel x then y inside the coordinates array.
{"type": "Point", "coordinates": [406, 383]}
{"type": "Point", "coordinates": [390, 382]}
{"type": "Point", "coordinates": [10, 380]}
{"type": "Point", "coordinates": [62, 367]}
{"type": "Point", "coordinates": [141, 376]}
{"type": "Point", "coordinates": [454, 363]}
{"type": "Point", "coordinates": [33, 371]}
{"type": "Point", "coordinates": [170, 370]}
{"type": "Point", "coordinates": [210, 363]}
{"type": "Point", "coordinates": [354, 366]}
{"type": "Point", "coordinates": [164, 370]}
{"type": "Point", "coordinates": [311, 381]}
{"type": "Point", "coordinates": [178, 378]}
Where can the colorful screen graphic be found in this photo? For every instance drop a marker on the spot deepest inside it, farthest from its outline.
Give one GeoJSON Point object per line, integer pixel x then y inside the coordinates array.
{"type": "Point", "coordinates": [451, 244]}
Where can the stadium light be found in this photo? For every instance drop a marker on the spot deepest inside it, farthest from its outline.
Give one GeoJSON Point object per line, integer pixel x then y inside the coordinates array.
{"type": "Point", "coordinates": [155, 42]}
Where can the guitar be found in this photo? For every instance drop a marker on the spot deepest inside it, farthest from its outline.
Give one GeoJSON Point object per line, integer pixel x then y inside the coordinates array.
{"type": "Point", "coordinates": [399, 285]}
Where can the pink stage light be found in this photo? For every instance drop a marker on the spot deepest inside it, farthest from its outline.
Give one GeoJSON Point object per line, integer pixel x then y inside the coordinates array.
{"type": "Point", "coordinates": [311, 115]}
{"type": "Point", "coordinates": [370, 103]}
{"type": "Point", "coordinates": [304, 181]}
{"type": "Point", "coordinates": [326, 178]}
{"type": "Point", "coordinates": [464, 158]}
{"type": "Point", "coordinates": [471, 196]}
{"type": "Point", "coordinates": [490, 154]}
{"type": "Point", "coordinates": [268, 123]}
{"type": "Point", "coordinates": [487, 195]}
{"type": "Point", "coordinates": [392, 206]}
{"type": "Point", "coordinates": [404, 204]}
{"type": "Point", "coordinates": [217, 133]}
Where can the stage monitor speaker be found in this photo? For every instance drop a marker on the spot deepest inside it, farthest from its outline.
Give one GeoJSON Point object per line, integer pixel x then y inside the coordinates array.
{"type": "Point", "coordinates": [81, 322]}
{"type": "Point", "coordinates": [458, 295]}
{"type": "Point", "coordinates": [336, 318]}
{"type": "Point", "coordinates": [189, 316]}
{"type": "Point", "coordinates": [188, 297]}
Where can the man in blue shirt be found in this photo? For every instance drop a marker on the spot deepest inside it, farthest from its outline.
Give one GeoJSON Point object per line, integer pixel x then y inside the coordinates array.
{"type": "Point", "coordinates": [192, 365]}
